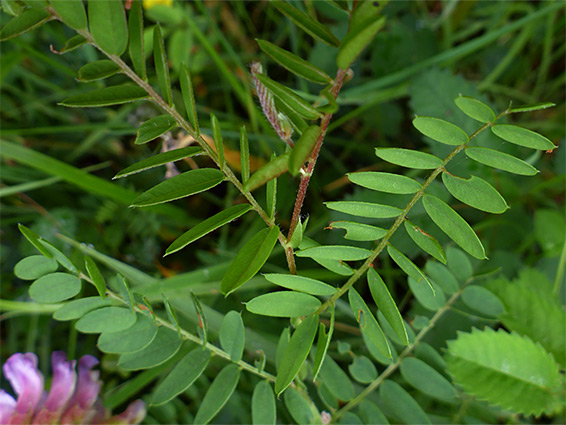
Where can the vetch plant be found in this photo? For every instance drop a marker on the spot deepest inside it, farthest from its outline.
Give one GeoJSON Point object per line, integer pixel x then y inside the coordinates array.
{"type": "Point", "coordinates": [326, 336]}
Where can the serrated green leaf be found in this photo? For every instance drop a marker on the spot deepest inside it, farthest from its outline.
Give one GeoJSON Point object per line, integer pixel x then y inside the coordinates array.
{"type": "Point", "coordinates": [408, 266]}
{"type": "Point", "coordinates": [475, 109]}
{"type": "Point", "coordinates": [364, 209]}
{"type": "Point", "coordinates": [78, 308]}
{"type": "Point", "coordinates": [475, 192]}
{"type": "Point", "coordinates": [301, 284]}
{"type": "Point", "coordinates": [181, 377]}
{"type": "Point", "coordinates": [482, 300]}
{"type": "Point", "coordinates": [209, 225]}
{"type": "Point", "coordinates": [322, 344]}
{"type": "Point", "coordinates": [107, 22]}
{"type": "Point", "coordinates": [54, 288]}
{"type": "Point", "coordinates": [425, 241]}
{"type": "Point", "coordinates": [298, 407]}
{"type": "Point", "coordinates": [232, 335]}
{"type": "Point", "coordinates": [441, 131]}
{"type": "Point", "coordinates": [164, 346]}
{"type": "Point", "coordinates": [218, 394]}
{"type": "Point", "coordinates": [28, 20]}
{"type": "Point", "coordinates": [290, 98]}
{"type": "Point", "coordinates": [249, 260]}
{"type": "Point", "coordinates": [501, 161]}
{"type": "Point", "coordinates": [427, 380]}
{"type": "Point", "coordinates": [356, 41]}
{"type": "Point", "coordinates": [529, 108]}
{"type": "Point", "coordinates": [507, 370]}
{"type": "Point", "coordinates": [296, 353]}
{"type": "Point", "coordinates": [363, 370]}
{"type": "Point", "coordinates": [430, 297]}
{"type": "Point", "coordinates": [98, 70]}
{"type": "Point", "coordinates": [106, 319]}
{"type": "Point", "coordinates": [34, 240]}
{"type": "Point", "coordinates": [161, 66]}
{"type": "Point", "coordinates": [409, 158]}
{"type": "Point", "coordinates": [263, 404]}
{"type": "Point", "coordinates": [306, 23]}
{"type": "Point", "coordinates": [385, 182]}
{"type": "Point", "coordinates": [303, 148]}
{"type": "Point", "coordinates": [95, 276]}
{"type": "Point", "coordinates": [283, 304]}
{"type": "Point", "coordinates": [154, 127]}
{"type": "Point", "coordinates": [336, 380]}
{"type": "Point", "coordinates": [34, 267]}
{"type": "Point", "coordinates": [368, 323]}
{"type": "Point", "coordinates": [136, 45]}
{"type": "Point", "coordinates": [180, 186]}
{"type": "Point", "coordinates": [158, 160]}
{"type": "Point", "coordinates": [522, 137]}
{"type": "Point", "coordinates": [71, 12]}
{"type": "Point", "coordinates": [451, 223]}
{"type": "Point", "coordinates": [400, 403]}
{"type": "Point", "coordinates": [135, 338]}
{"type": "Point", "coordinates": [359, 231]}
{"type": "Point", "coordinates": [108, 96]}
{"type": "Point", "coordinates": [272, 169]}
{"type": "Point", "coordinates": [335, 252]}
{"type": "Point", "coordinates": [293, 63]}
{"type": "Point", "coordinates": [386, 305]}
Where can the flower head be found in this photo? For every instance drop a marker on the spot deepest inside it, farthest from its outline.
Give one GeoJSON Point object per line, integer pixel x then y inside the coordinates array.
{"type": "Point", "coordinates": [70, 399]}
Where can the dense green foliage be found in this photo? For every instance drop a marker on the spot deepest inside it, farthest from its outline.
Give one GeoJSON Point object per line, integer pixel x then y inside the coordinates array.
{"type": "Point", "coordinates": [177, 179]}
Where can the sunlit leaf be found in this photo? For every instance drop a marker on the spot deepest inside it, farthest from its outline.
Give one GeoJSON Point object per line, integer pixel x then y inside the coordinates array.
{"type": "Point", "coordinates": [54, 287]}
{"type": "Point", "coordinates": [71, 12]}
{"type": "Point", "coordinates": [425, 241]}
{"type": "Point", "coordinates": [475, 109]}
{"type": "Point", "coordinates": [364, 209]}
{"type": "Point", "coordinates": [335, 252]}
{"type": "Point", "coordinates": [34, 267]}
{"type": "Point", "coordinates": [356, 41]}
{"type": "Point", "coordinates": [135, 338]}
{"type": "Point", "coordinates": [164, 346]}
{"type": "Point", "coordinates": [218, 394]}
{"type": "Point", "coordinates": [106, 319]}
{"type": "Point", "coordinates": [108, 96]}
{"type": "Point", "coordinates": [301, 284]}
{"type": "Point", "coordinates": [263, 404]}
{"type": "Point", "coordinates": [232, 335]}
{"type": "Point", "coordinates": [475, 192]}
{"type": "Point", "coordinates": [107, 22]}
{"type": "Point", "coordinates": [359, 231]}
{"type": "Point", "coordinates": [28, 20]}
{"type": "Point", "coordinates": [522, 137]}
{"type": "Point", "coordinates": [284, 304]}
{"type": "Point", "coordinates": [385, 182]}
{"type": "Point", "coordinates": [158, 160]}
{"type": "Point", "coordinates": [303, 148]}
{"type": "Point", "coordinates": [501, 161]}
{"type": "Point", "coordinates": [98, 70]}
{"type": "Point", "coordinates": [409, 158]}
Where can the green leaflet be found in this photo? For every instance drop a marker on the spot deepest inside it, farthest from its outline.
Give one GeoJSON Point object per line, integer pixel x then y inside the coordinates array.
{"type": "Point", "coordinates": [385, 182]}
{"type": "Point", "coordinates": [427, 380]}
{"type": "Point", "coordinates": [284, 304]}
{"type": "Point", "coordinates": [425, 241]}
{"type": "Point", "coordinates": [135, 338]}
{"type": "Point", "coordinates": [107, 22]}
{"type": "Point", "coordinates": [106, 319]}
{"type": "Point", "coordinates": [180, 186]}
{"type": "Point", "coordinates": [78, 308]}
{"type": "Point", "coordinates": [531, 384]}
{"type": "Point", "coordinates": [535, 107]}
{"type": "Point", "coordinates": [303, 148]}
{"type": "Point", "coordinates": [409, 158]}
{"type": "Point", "coordinates": [218, 140]}
{"type": "Point", "coordinates": [335, 266]}
{"type": "Point", "coordinates": [181, 377]}
{"type": "Point", "coordinates": [209, 225]}
{"type": "Point", "coordinates": [363, 370]}
{"type": "Point", "coordinates": [232, 335]}
{"type": "Point", "coordinates": [368, 323]}
{"type": "Point", "coordinates": [32, 238]}
{"type": "Point", "coordinates": [441, 131]}
{"type": "Point", "coordinates": [501, 161]}
{"type": "Point", "coordinates": [35, 266]}
{"type": "Point", "coordinates": [335, 252]}
{"type": "Point", "coordinates": [408, 266]}
{"type": "Point", "coordinates": [189, 97]}
{"type": "Point", "coordinates": [475, 109]}
{"type": "Point", "coordinates": [263, 404]}
{"type": "Point", "coordinates": [124, 291]}
{"type": "Point", "coordinates": [61, 258]}
{"type": "Point", "coordinates": [336, 380]}
{"type": "Point", "coordinates": [475, 192]}
{"type": "Point", "coordinates": [296, 353]}
{"type": "Point", "coordinates": [370, 413]}
{"type": "Point", "coordinates": [28, 20]}
{"type": "Point", "coordinates": [522, 137]}
{"type": "Point", "coordinates": [356, 41]}
{"type": "Point", "coordinates": [442, 277]}
{"type": "Point", "coordinates": [54, 287]}
{"type": "Point", "coordinates": [164, 346]}
{"type": "Point", "coordinates": [98, 70]}
{"type": "Point", "coordinates": [159, 159]}
{"type": "Point", "coordinates": [249, 260]}
{"type": "Point", "coordinates": [306, 23]}
{"type": "Point", "coordinates": [364, 209]}
{"type": "Point", "coordinates": [459, 264]}
{"type": "Point", "coordinates": [161, 66]}
{"type": "Point", "coordinates": [359, 231]}
{"type": "Point", "coordinates": [71, 12]}
{"type": "Point", "coordinates": [364, 12]}
{"type": "Point", "coordinates": [386, 305]}
{"type": "Point", "coordinates": [95, 276]}
{"type": "Point", "coordinates": [136, 44]}
{"type": "Point", "coordinates": [108, 96]}
{"type": "Point", "coordinates": [400, 403]}
{"type": "Point", "coordinates": [431, 298]}
{"type": "Point", "coordinates": [218, 394]}
{"type": "Point", "coordinates": [301, 284]}
{"type": "Point", "coordinates": [322, 344]}
{"type": "Point", "coordinates": [244, 155]}
{"type": "Point", "coordinates": [173, 316]}
{"type": "Point", "coordinates": [482, 300]}
{"type": "Point", "coordinates": [294, 63]}
{"type": "Point", "coordinates": [272, 169]}
{"type": "Point", "coordinates": [271, 196]}
{"type": "Point", "coordinates": [288, 97]}
{"type": "Point", "coordinates": [298, 407]}
{"type": "Point", "coordinates": [154, 127]}
{"type": "Point", "coordinates": [454, 226]}
{"type": "Point", "coordinates": [72, 44]}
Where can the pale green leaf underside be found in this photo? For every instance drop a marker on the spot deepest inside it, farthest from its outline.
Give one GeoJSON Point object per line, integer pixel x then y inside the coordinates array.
{"type": "Point", "coordinates": [441, 131]}
{"type": "Point", "coordinates": [284, 304]}
{"type": "Point", "coordinates": [218, 394]}
{"type": "Point", "coordinates": [475, 192]}
{"type": "Point", "coordinates": [135, 338]}
{"type": "Point", "coordinates": [106, 319]}
{"type": "Point", "coordinates": [301, 284]}
{"type": "Point", "coordinates": [359, 231]}
{"type": "Point", "coordinates": [35, 266]}
{"type": "Point", "coordinates": [364, 209]}
{"type": "Point", "coordinates": [522, 137]}
{"type": "Point", "coordinates": [164, 346]}
{"type": "Point", "coordinates": [482, 300]}
{"type": "Point", "coordinates": [409, 158]}
{"type": "Point", "coordinates": [78, 308]}
{"type": "Point", "coordinates": [335, 252]}
{"type": "Point", "coordinates": [54, 287]}
{"type": "Point", "coordinates": [427, 380]}
{"type": "Point", "coordinates": [501, 161]}
{"type": "Point", "coordinates": [232, 335]}
{"type": "Point", "coordinates": [475, 109]}
{"type": "Point", "coordinates": [385, 182]}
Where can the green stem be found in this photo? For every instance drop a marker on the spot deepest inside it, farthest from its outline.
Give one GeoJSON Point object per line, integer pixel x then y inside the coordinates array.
{"type": "Point", "coordinates": [28, 307]}
{"type": "Point", "coordinates": [560, 271]}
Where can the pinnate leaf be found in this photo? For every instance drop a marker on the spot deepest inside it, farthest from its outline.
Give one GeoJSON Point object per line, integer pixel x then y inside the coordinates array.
{"type": "Point", "coordinates": [107, 22]}
{"type": "Point", "coordinates": [336, 380]}
{"type": "Point", "coordinates": [482, 300]}
{"type": "Point", "coordinates": [475, 109]}
{"type": "Point", "coordinates": [158, 160]}
{"type": "Point", "coordinates": [363, 370]}
{"type": "Point", "coordinates": [33, 238]}
{"type": "Point", "coordinates": [475, 192]}
{"type": "Point", "coordinates": [76, 309]}
{"type": "Point", "coordinates": [408, 266]}
{"type": "Point", "coordinates": [106, 319]}
{"type": "Point", "coordinates": [283, 304]}
{"type": "Point", "coordinates": [535, 107]}
{"type": "Point", "coordinates": [108, 96]}
{"type": "Point", "coordinates": [522, 137]}
{"type": "Point", "coordinates": [441, 131]}
{"type": "Point", "coordinates": [322, 344]}
{"type": "Point", "coordinates": [136, 44]}
{"type": "Point", "coordinates": [272, 169]}
{"type": "Point", "coordinates": [189, 97]}
{"type": "Point", "coordinates": [400, 403]}
{"type": "Point", "coordinates": [161, 66]}
{"type": "Point", "coordinates": [218, 394]}
{"type": "Point", "coordinates": [96, 277]}
{"type": "Point", "coordinates": [501, 161]}
{"type": "Point", "coordinates": [409, 158]}
{"type": "Point", "coordinates": [303, 148]}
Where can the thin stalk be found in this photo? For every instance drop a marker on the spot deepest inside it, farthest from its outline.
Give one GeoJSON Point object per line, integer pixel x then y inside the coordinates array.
{"type": "Point", "coordinates": [560, 271]}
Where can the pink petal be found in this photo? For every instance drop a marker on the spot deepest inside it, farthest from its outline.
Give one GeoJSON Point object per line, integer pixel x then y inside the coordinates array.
{"type": "Point", "coordinates": [134, 414]}
{"type": "Point", "coordinates": [27, 381]}
{"type": "Point", "coordinates": [79, 408]}
{"type": "Point", "coordinates": [7, 406]}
